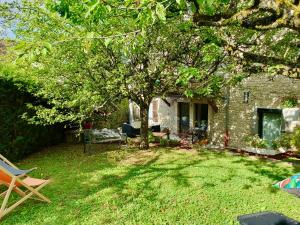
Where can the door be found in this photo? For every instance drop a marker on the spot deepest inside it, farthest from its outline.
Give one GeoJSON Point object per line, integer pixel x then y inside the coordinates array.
{"type": "Point", "coordinates": [270, 124]}
{"type": "Point", "coordinates": [201, 115]}
{"type": "Point", "coordinates": [184, 116]}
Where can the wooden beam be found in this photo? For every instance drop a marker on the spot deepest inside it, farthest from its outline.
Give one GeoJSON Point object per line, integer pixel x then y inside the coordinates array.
{"type": "Point", "coordinates": [165, 101]}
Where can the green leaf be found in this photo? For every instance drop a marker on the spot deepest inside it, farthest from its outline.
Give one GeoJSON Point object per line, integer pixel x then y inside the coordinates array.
{"type": "Point", "coordinates": [90, 35]}
{"type": "Point", "coordinates": [160, 11]}
{"type": "Point", "coordinates": [48, 46]}
{"type": "Point", "coordinates": [20, 45]}
{"type": "Point", "coordinates": [181, 3]}
{"type": "Point", "coordinates": [44, 51]}
{"type": "Point", "coordinates": [108, 7]}
{"type": "Point", "coordinates": [91, 9]}
{"type": "Point", "coordinates": [107, 41]}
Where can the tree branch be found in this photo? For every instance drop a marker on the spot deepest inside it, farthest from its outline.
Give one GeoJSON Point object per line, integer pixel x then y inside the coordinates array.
{"type": "Point", "coordinates": [281, 13]}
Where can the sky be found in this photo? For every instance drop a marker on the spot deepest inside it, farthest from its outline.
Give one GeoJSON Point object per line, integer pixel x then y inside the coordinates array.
{"type": "Point", "coordinates": [2, 1]}
{"type": "Point", "coordinates": [6, 32]}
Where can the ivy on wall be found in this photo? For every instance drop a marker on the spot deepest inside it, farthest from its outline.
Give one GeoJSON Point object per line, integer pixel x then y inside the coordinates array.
{"type": "Point", "coordinates": [289, 102]}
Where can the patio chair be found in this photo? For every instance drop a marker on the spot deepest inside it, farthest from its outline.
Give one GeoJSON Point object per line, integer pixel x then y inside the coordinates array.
{"type": "Point", "coordinates": [15, 179]}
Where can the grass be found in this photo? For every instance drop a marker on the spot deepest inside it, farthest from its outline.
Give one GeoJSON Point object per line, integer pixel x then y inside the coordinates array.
{"type": "Point", "coordinates": [161, 186]}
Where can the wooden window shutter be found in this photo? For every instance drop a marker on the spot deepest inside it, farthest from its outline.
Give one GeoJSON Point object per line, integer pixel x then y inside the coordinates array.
{"type": "Point", "coordinates": [136, 112]}
{"type": "Point", "coordinates": [155, 110]}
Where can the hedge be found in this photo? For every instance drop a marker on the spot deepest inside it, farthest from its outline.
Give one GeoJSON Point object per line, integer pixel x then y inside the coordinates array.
{"type": "Point", "coordinates": [17, 137]}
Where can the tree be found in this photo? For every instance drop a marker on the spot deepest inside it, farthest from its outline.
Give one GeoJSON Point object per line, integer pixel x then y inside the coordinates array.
{"type": "Point", "coordinates": [258, 31]}
{"type": "Point", "coordinates": [80, 72]}
{"type": "Point", "coordinates": [262, 34]}
{"type": "Point", "coordinates": [84, 56]}
{"type": "Point", "coordinates": [150, 68]}
{"type": "Point", "coordinates": [154, 65]}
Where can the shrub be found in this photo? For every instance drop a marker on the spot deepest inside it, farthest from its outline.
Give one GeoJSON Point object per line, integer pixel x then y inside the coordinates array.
{"type": "Point", "coordinates": [174, 143]}
{"type": "Point", "coordinates": [17, 137]}
{"type": "Point", "coordinates": [168, 143]}
{"type": "Point", "coordinates": [256, 142]}
{"type": "Point", "coordinates": [275, 145]}
{"type": "Point", "coordinates": [283, 141]}
{"type": "Point", "coordinates": [164, 142]}
{"type": "Point", "coordinates": [296, 138]}
{"type": "Point", "coordinates": [151, 138]}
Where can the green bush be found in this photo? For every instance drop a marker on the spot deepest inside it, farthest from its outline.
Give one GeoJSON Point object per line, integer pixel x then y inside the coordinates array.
{"type": "Point", "coordinates": [168, 143]}
{"type": "Point", "coordinates": [256, 142]}
{"type": "Point", "coordinates": [163, 142]}
{"type": "Point", "coordinates": [290, 102]}
{"type": "Point", "coordinates": [151, 138]}
{"type": "Point", "coordinates": [275, 145]}
{"type": "Point", "coordinates": [296, 138]}
{"type": "Point", "coordinates": [174, 143]}
{"type": "Point", "coordinates": [283, 141]}
{"type": "Point", "coordinates": [17, 137]}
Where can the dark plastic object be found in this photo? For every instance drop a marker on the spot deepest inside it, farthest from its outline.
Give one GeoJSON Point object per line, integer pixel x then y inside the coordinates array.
{"type": "Point", "coordinates": [129, 130]}
{"type": "Point", "coordinates": [155, 128]}
{"type": "Point", "coordinates": [266, 218]}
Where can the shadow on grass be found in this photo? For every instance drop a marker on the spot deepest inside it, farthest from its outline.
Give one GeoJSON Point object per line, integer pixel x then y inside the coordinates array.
{"type": "Point", "coordinates": [267, 168]}
{"type": "Point", "coordinates": [79, 177]}
{"type": "Point", "coordinates": [148, 173]}
{"type": "Point", "coordinates": [261, 166]}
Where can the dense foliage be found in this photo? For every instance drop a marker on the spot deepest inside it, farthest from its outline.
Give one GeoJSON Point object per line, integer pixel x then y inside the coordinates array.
{"type": "Point", "coordinates": [84, 57]}
{"type": "Point", "coordinates": [17, 137]}
{"type": "Point", "coordinates": [296, 138]}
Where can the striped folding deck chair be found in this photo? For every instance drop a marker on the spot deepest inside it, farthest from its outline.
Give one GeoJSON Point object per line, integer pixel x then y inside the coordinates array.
{"type": "Point", "coordinates": [17, 180]}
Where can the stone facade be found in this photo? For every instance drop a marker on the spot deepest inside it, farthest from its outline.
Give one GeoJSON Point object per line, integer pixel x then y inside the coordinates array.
{"type": "Point", "coordinates": [240, 117]}
{"type": "Point", "coordinates": [243, 117]}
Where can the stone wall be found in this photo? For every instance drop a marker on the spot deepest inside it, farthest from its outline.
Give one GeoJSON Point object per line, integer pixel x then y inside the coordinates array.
{"type": "Point", "coordinates": [242, 117]}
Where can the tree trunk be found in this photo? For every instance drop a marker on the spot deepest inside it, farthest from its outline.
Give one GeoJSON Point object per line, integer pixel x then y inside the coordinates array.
{"type": "Point", "coordinates": [144, 113]}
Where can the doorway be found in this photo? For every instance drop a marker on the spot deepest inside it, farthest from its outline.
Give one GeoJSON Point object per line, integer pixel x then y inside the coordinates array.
{"type": "Point", "coordinates": [184, 116]}
{"type": "Point", "coordinates": [269, 124]}
{"type": "Point", "coordinates": [200, 115]}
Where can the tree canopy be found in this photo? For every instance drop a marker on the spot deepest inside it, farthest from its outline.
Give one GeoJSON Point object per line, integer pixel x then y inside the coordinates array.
{"type": "Point", "coordinates": [83, 56]}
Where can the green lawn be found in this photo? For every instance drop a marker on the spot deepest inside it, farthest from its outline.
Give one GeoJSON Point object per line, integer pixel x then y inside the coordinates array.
{"type": "Point", "coordinates": [161, 186]}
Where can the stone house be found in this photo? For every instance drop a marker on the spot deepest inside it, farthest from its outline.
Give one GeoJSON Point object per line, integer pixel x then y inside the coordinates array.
{"type": "Point", "coordinates": [255, 106]}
